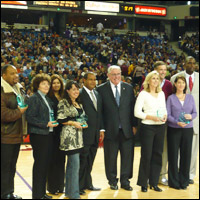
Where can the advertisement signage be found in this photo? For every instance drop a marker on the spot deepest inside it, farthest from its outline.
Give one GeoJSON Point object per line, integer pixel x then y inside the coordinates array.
{"type": "Point", "coordinates": [149, 10]}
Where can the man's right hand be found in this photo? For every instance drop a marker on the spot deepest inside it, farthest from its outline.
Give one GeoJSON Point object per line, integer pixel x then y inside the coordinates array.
{"type": "Point", "coordinates": [22, 110]}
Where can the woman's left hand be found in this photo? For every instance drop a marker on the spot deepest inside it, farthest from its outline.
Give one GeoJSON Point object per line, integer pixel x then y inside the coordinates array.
{"type": "Point", "coordinates": [164, 119]}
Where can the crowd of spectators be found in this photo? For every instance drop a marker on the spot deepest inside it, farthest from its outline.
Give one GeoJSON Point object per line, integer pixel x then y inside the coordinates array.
{"type": "Point", "coordinates": [190, 45]}
{"type": "Point", "coordinates": [75, 52]}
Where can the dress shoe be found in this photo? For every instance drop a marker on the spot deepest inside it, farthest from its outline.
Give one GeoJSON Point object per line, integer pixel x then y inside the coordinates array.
{"type": "Point", "coordinates": [54, 193]}
{"type": "Point", "coordinates": [191, 181]}
{"type": "Point", "coordinates": [82, 192]}
{"type": "Point", "coordinates": [92, 188]}
{"type": "Point", "coordinates": [113, 187]}
{"type": "Point", "coordinates": [164, 181]}
{"type": "Point", "coordinates": [144, 189]}
{"type": "Point", "coordinates": [127, 187]}
{"type": "Point", "coordinates": [47, 196]}
{"type": "Point", "coordinates": [156, 188]}
{"type": "Point", "coordinates": [184, 187]}
{"type": "Point", "coordinates": [11, 196]}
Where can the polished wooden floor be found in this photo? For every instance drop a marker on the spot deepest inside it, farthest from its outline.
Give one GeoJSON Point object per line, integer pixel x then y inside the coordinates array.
{"type": "Point", "coordinates": [23, 181]}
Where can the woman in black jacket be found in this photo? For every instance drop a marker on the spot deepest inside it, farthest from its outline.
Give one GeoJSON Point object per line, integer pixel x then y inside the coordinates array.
{"type": "Point", "coordinates": [56, 172]}
{"type": "Point", "coordinates": [40, 127]}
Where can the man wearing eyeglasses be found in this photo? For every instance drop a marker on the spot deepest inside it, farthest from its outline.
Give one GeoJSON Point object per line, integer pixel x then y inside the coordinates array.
{"type": "Point", "coordinates": [120, 127]}
{"type": "Point", "coordinates": [192, 79]}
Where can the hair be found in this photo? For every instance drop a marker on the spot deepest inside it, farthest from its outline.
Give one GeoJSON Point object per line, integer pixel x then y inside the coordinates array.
{"type": "Point", "coordinates": [113, 67]}
{"type": "Point", "coordinates": [176, 80]}
{"type": "Point", "coordinates": [61, 91]}
{"type": "Point", "coordinates": [38, 79]}
{"type": "Point", "coordinates": [158, 63]}
{"type": "Point", "coordinates": [87, 73]}
{"type": "Point", "coordinates": [5, 68]}
{"type": "Point", "coordinates": [148, 78]}
{"type": "Point", "coordinates": [68, 86]}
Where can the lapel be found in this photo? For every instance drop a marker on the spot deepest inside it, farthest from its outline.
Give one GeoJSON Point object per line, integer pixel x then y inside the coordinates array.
{"type": "Point", "coordinates": [89, 100]}
{"type": "Point", "coordinates": [123, 91]}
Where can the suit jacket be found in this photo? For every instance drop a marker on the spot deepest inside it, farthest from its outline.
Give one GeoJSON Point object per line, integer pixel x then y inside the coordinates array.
{"type": "Point", "coordinates": [195, 94]}
{"type": "Point", "coordinates": [37, 114]}
{"type": "Point", "coordinates": [92, 133]}
{"type": "Point", "coordinates": [114, 115]}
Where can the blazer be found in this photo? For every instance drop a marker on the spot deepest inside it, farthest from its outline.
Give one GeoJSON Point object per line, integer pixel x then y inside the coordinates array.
{"type": "Point", "coordinates": [174, 108]}
{"type": "Point", "coordinates": [113, 115]}
{"type": "Point", "coordinates": [91, 134]}
{"type": "Point", "coordinates": [37, 114]}
{"type": "Point", "coordinates": [195, 94]}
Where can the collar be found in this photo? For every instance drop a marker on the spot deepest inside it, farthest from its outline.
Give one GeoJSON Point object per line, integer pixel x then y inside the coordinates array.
{"type": "Point", "coordinates": [8, 88]}
{"type": "Point", "coordinates": [113, 86]}
{"type": "Point", "coordinates": [87, 90]}
{"type": "Point", "coordinates": [41, 93]}
{"type": "Point", "coordinates": [188, 75]}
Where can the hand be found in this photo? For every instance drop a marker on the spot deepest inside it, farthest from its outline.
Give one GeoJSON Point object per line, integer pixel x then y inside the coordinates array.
{"type": "Point", "coordinates": [156, 119]}
{"type": "Point", "coordinates": [77, 125]}
{"type": "Point", "coordinates": [22, 110]}
{"type": "Point", "coordinates": [50, 124]}
{"type": "Point", "coordinates": [188, 116]}
{"type": "Point", "coordinates": [134, 130]}
{"type": "Point", "coordinates": [101, 136]}
{"type": "Point", "coordinates": [164, 119]}
{"type": "Point", "coordinates": [182, 124]}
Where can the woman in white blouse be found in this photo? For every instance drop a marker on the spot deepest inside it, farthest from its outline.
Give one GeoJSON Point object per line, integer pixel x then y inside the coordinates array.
{"type": "Point", "coordinates": [151, 108]}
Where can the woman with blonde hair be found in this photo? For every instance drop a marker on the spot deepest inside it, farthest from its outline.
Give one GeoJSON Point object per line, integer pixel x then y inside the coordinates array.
{"type": "Point", "coordinates": [151, 108]}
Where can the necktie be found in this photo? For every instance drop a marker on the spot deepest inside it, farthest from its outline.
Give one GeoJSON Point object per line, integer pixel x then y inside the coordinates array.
{"type": "Point", "coordinates": [190, 83]}
{"type": "Point", "coordinates": [117, 97]}
{"type": "Point", "coordinates": [94, 100]}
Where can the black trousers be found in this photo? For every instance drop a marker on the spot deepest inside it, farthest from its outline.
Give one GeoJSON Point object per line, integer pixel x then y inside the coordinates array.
{"type": "Point", "coordinates": [179, 139]}
{"type": "Point", "coordinates": [111, 149]}
{"type": "Point", "coordinates": [42, 150]}
{"type": "Point", "coordinates": [87, 157]}
{"type": "Point", "coordinates": [9, 156]}
{"type": "Point", "coordinates": [56, 172]}
{"type": "Point", "coordinates": [152, 141]}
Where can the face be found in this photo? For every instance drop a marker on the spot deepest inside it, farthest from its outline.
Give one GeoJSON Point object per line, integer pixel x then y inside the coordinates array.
{"type": "Point", "coordinates": [162, 70]}
{"type": "Point", "coordinates": [90, 82]}
{"type": "Point", "coordinates": [73, 92]}
{"type": "Point", "coordinates": [154, 81]}
{"type": "Point", "coordinates": [115, 76]}
{"type": "Point", "coordinates": [56, 85]}
{"type": "Point", "coordinates": [190, 66]}
{"type": "Point", "coordinates": [44, 87]}
{"type": "Point", "coordinates": [11, 76]}
{"type": "Point", "coordinates": [180, 85]}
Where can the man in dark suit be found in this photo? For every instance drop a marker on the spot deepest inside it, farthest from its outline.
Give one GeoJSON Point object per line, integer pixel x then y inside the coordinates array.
{"type": "Point", "coordinates": [119, 122]}
{"type": "Point", "coordinates": [91, 102]}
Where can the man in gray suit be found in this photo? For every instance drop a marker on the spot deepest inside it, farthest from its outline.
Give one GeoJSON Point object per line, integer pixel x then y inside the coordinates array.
{"type": "Point", "coordinates": [119, 123]}
{"type": "Point", "coordinates": [192, 79]}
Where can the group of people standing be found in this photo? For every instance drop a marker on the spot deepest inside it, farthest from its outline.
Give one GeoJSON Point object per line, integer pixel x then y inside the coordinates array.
{"type": "Point", "coordinates": [69, 121]}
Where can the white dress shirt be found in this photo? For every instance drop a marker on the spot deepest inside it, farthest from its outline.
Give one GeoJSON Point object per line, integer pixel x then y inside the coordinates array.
{"type": "Point", "coordinates": [114, 88]}
{"type": "Point", "coordinates": [89, 93]}
{"type": "Point", "coordinates": [187, 76]}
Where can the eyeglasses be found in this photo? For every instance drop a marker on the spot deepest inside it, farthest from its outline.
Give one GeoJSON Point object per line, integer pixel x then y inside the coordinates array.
{"type": "Point", "coordinates": [192, 63]}
{"type": "Point", "coordinates": [119, 74]}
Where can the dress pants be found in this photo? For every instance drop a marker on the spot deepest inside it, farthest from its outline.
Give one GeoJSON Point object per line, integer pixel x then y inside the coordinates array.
{"type": "Point", "coordinates": [9, 156]}
{"type": "Point", "coordinates": [152, 140]}
{"type": "Point", "coordinates": [42, 150]}
{"type": "Point", "coordinates": [87, 157]}
{"type": "Point", "coordinates": [179, 139]}
{"type": "Point", "coordinates": [56, 172]}
{"type": "Point", "coordinates": [111, 149]}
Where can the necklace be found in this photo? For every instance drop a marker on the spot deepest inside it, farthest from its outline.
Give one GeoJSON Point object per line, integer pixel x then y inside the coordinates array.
{"type": "Point", "coordinates": [181, 97]}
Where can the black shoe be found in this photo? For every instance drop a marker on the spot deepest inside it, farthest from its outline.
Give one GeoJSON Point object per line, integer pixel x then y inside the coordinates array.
{"type": "Point", "coordinates": [156, 188]}
{"type": "Point", "coordinates": [184, 187]}
{"type": "Point", "coordinates": [113, 187]}
{"type": "Point", "coordinates": [191, 181]}
{"type": "Point", "coordinates": [54, 193]}
{"type": "Point", "coordinates": [144, 189]}
{"type": "Point", "coordinates": [82, 192]}
{"type": "Point", "coordinates": [127, 187]}
{"type": "Point", "coordinates": [92, 188]}
{"type": "Point", "coordinates": [47, 196]}
{"type": "Point", "coordinates": [11, 196]}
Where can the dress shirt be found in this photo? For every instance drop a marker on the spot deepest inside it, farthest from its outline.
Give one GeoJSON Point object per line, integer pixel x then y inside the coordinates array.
{"type": "Point", "coordinates": [187, 76]}
{"type": "Point", "coordinates": [114, 88]}
{"type": "Point", "coordinates": [44, 98]}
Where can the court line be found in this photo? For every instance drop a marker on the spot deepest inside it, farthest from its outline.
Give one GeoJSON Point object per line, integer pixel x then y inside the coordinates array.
{"type": "Point", "coordinates": [26, 183]}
